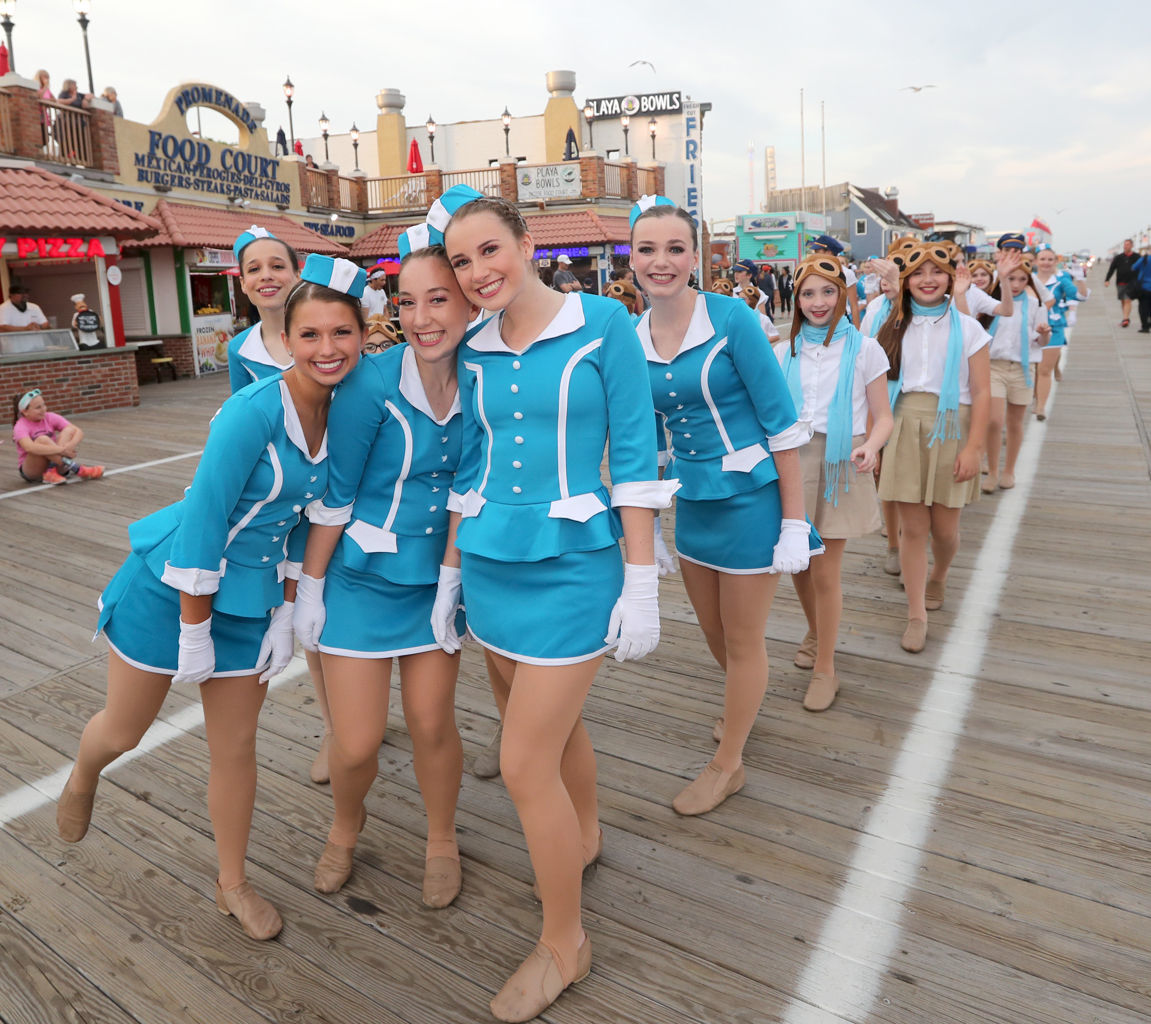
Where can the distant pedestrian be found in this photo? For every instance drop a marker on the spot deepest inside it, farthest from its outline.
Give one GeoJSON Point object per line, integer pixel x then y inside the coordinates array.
{"type": "Point", "coordinates": [1142, 268]}
{"type": "Point", "coordinates": [786, 288]}
{"type": "Point", "coordinates": [109, 94]}
{"type": "Point", "coordinates": [564, 280]}
{"type": "Point", "coordinates": [281, 143]}
{"type": "Point", "coordinates": [1126, 282]}
{"type": "Point", "coordinates": [71, 96]}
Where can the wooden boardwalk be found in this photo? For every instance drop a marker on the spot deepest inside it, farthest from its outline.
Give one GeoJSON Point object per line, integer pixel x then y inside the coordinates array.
{"type": "Point", "coordinates": [898, 859]}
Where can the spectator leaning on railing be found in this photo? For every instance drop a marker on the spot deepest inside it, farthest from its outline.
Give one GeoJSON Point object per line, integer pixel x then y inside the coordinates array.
{"type": "Point", "coordinates": [70, 95]}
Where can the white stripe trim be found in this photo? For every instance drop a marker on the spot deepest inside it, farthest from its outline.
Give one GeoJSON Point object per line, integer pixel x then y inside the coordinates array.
{"type": "Point", "coordinates": [478, 370]}
{"type": "Point", "coordinates": [707, 395]}
{"type": "Point", "coordinates": [524, 659]}
{"type": "Point", "coordinates": [171, 672]}
{"type": "Point", "coordinates": [277, 483]}
{"type": "Point", "coordinates": [378, 655]}
{"type": "Point", "coordinates": [562, 421]}
{"type": "Point", "coordinates": [397, 493]}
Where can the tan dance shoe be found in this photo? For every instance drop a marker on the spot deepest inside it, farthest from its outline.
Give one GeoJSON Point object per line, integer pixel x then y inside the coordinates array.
{"type": "Point", "coordinates": [717, 729]}
{"type": "Point", "coordinates": [259, 919]}
{"type": "Point", "coordinates": [709, 790]}
{"type": "Point", "coordinates": [933, 594]}
{"type": "Point", "coordinates": [334, 867]}
{"type": "Point", "coordinates": [915, 636]}
{"type": "Point", "coordinates": [442, 881]}
{"type": "Point", "coordinates": [1007, 481]}
{"type": "Point", "coordinates": [821, 691]}
{"type": "Point", "coordinates": [891, 562]}
{"type": "Point", "coordinates": [988, 484]}
{"type": "Point", "coordinates": [537, 983]}
{"type": "Point", "coordinates": [487, 762]}
{"type": "Point", "coordinates": [319, 772]}
{"type": "Point", "coordinates": [805, 653]}
{"type": "Point", "coordinates": [74, 813]}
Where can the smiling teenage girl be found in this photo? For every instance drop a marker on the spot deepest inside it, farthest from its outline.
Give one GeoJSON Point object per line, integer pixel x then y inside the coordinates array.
{"type": "Point", "coordinates": [191, 604]}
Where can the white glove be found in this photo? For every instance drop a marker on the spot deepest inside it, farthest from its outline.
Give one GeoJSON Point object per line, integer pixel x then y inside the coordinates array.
{"type": "Point", "coordinates": [634, 622]}
{"type": "Point", "coordinates": [792, 551]}
{"type": "Point", "coordinates": [444, 609]}
{"type": "Point", "coordinates": [309, 614]}
{"type": "Point", "coordinates": [197, 658]}
{"type": "Point", "coordinates": [279, 642]}
{"type": "Point", "coordinates": [664, 559]}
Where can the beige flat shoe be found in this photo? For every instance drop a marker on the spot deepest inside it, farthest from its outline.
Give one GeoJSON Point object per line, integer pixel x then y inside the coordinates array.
{"type": "Point", "coordinates": [933, 594]}
{"type": "Point", "coordinates": [74, 813]}
{"type": "Point", "coordinates": [711, 788]}
{"type": "Point", "coordinates": [334, 867]}
{"type": "Point", "coordinates": [537, 983]}
{"type": "Point", "coordinates": [805, 653]}
{"type": "Point", "coordinates": [891, 562]}
{"type": "Point", "coordinates": [259, 919]}
{"type": "Point", "coordinates": [915, 636]}
{"type": "Point", "coordinates": [717, 730]}
{"type": "Point", "coordinates": [487, 762]}
{"type": "Point", "coordinates": [442, 881]}
{"type": "Point", "coordinates": [1007, 481]}
{"type": "Point", "coordinates": [988, 485]}
{"type": "Point", "coordinates": [821, 691]}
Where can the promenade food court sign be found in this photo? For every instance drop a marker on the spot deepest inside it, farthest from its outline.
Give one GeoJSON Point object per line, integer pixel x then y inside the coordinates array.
{"type": "Point", "coordinates": [167, 156]}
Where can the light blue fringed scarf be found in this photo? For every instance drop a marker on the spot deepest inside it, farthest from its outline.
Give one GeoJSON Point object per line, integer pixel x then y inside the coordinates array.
{"type": "Point", "coordinates": [837, 454]}
{"type": "Point", "coordinates": [947, 415]}
{"type": "Point", "coordinates": [1024, 335]}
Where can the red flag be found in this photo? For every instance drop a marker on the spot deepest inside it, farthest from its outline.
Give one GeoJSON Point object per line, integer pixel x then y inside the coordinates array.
{"type": "Point", "coordinates": [1040, 226]}
{"type": "Point", "coordinates": [415, 162]}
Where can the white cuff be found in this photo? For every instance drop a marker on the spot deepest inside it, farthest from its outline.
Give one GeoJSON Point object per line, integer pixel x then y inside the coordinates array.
{"type": "Point", "coordinates": [196, 582]}
{"type": "Point", "coordinates": [644, 493]}
{"type": "Point", "coordinates": [663, 458]}
{"type": "Point", "coordinates": [292, 570]}
{"type": "Point", "coordinates": [467, 505]}
{"type": "Point", "coordinates": [319, 513]}
{"type": "Point", "coordinates": [795, 436]}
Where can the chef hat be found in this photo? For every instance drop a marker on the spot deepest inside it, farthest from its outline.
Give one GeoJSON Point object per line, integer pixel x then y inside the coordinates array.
{"type": "Point", "coordinates": [338, 274]}
{"type": "Point", "coordinates": [442, 209]}
{"type": "Point", "coordinates": [248, 237]}
{"type": "Point", "coordinates": [78, 297]}
{"type": "Point", "coordinates": [418, 236]}
{"type": "Point", "coordinates": [644, 204]}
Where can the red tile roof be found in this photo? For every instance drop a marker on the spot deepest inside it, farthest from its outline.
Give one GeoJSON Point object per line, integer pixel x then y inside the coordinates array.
{"type": "Point", "coordinates": [580, 228]}
{"type": "Point", "coordinates": [212, 227]}
{"type": "Point", "coordinates": [37, 201]}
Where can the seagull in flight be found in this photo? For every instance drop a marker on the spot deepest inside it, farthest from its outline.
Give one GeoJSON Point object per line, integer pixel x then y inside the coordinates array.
{"type": "Point", "coordinates": [917, 88]}
{"type": "Point", "coordinates": [647, 62]}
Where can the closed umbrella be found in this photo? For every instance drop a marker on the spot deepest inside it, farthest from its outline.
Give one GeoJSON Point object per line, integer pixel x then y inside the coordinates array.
{"type": "Point", "coordinates": [4, 66]}
{"type": "Point", "coordinates": [415, 161]}
{"type": "Point", "coordinates": [571, 147]}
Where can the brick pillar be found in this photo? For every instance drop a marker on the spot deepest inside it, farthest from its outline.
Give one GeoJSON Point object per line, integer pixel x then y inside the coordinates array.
{"type": "Point", "coordinates": [660, 179]}
{"type": "Point", "coordinates": [509, 190]}
{"type": "Point", "coordinates": [359, 193]}
{"type": "Point", "coordinates": [433, 183]}
{"type": "Point", "coordinates": [591, 176]}
{"type": "Point", "coordinates": [24, 106]}
{"type": "Point", "coordinates": [333, 188]}
{"type": "Point", "coordinates": [105, 155]}
{"type": "Point", "coordinates": [628, 180]}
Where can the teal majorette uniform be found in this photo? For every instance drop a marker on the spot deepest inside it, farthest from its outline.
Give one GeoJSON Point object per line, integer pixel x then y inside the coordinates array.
{"type": "Point", "coordinates": [248, 359]}
{"type": "Point", "coordinates": [1062, 288]}
{"type": "Point", "coordinates": [726, 405]}
{"type": "Point", "coordinates": [541, 566]}
{"type": "Point", "coordinates": [237, 534]}
{"type": "Point", "coordinates": [391, 469]}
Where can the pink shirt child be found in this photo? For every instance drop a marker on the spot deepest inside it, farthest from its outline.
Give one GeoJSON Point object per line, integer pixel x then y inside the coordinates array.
{"type": "Point", "coordinates": [51, 426]}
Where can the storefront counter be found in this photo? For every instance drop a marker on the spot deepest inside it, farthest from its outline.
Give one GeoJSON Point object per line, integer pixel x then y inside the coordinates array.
{"type": "Point", "coordinates": [75, 381]}
{"type": "Point", "coordinates": [55, 340]}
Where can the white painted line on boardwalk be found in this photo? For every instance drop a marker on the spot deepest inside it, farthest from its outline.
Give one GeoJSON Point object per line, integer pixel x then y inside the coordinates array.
{"type": "Point", "coordinates": [843, 977]}
{"type": "Point", "coordinates": [46, 790]}
{"type": "Point", "coordinates": [110, 472]}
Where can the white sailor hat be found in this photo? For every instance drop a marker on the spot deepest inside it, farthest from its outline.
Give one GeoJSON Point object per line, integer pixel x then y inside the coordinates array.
{"type": "Point", "coordinates": [442, 209]}
{"type": "Point", "coordinates": [338, 274]}
{"type": "Point", "coordinates": [644, 204]}
{"type": "Point", "coordinates": [247, 237]}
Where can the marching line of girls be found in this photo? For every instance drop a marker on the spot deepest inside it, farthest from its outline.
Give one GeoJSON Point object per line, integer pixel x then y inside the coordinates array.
{"type": "Point", "coordinates": [465, 466]}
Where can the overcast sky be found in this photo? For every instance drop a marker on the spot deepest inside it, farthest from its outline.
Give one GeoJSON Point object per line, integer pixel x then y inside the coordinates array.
{"type": "Point", "coordinates": [1038, 109]}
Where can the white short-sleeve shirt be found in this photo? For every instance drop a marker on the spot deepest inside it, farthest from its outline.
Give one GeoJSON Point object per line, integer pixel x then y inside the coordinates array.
{"type": "Point", "coordinates": [819, 376]}
{"type": "Point", "coordinates": [1005, 340]}
{"type": "Point", "coordinates": [10, 316]}
{"type": "Point", "coordinates": [979, 303]}
{"type": "Point", "coordinates": [925, 352]}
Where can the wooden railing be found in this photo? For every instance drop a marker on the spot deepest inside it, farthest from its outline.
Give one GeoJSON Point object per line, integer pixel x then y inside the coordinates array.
{"type": "Point", "coordinates": [347, 200]}
{"type": "Point", "coordinates": [613, 180]}
{"type": "Point", "coordinates": [315, 188]}
{"type": "Point", "coordinates": [68, 139]}
{"type": "Point", "coordinates": [7, 139]}
{"type": "Point", "coordinates": [402, 192]}
{"type": "Point", "coordinates": [646, 181]}
{"type": "Point", "coordinates": [485, 180]}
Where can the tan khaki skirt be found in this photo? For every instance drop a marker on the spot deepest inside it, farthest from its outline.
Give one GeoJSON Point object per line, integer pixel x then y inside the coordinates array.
{"type": "Point", "coordinates": [857, 512]}
{"type": "Point", "coordinates": [919, 475]}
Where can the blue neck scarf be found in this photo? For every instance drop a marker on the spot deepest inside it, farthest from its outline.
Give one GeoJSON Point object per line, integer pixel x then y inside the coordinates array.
{"type": "Point", "coordinates": [1024, 334]}
{"type": "Point", "coordinates": [837, 454]}
{"type": "Point", "coordinates": [947, 416]}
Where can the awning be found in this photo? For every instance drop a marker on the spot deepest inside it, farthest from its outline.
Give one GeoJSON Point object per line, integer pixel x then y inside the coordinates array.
{"type": "Point", "coordinates": [208, 227]}
{"type": "Point", "coordinates": [37, 202]}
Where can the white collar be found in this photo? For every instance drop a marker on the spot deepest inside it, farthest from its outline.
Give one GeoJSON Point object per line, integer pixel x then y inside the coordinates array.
{"type": "Point", "coordinates": [412, 388]}
{"type": "Point", "coordinates": [295, 429]}
{"type": "Point", "coordinates": [254, 350]}
{"type": "Point", "coordinates": [569, 319]}
{"type": "Point", "coordinates": [699, 330]}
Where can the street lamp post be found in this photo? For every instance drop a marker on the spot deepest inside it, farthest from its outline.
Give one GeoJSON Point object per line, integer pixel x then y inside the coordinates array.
{"type": "Point", "coordinates": [507, 120]}
{"type": "Point", "coordinates": [82, 7]}
{"type": "Point", "coordinates": [651, 127]}
{"type": "Point", "coordinates": [431, 127]}
{"type": "Point", "coordinates": [355, 133]}
{"type": "Point", "coordinates": [588, 114]}
{"type": "Point", "coordinates": [325, 124]}
{"type": "Point", "coordinates": [625, 121]}
{"type": "Point", "coordinates": [7, 9]}
{"type": "Point", "coordinates": [289, 92]}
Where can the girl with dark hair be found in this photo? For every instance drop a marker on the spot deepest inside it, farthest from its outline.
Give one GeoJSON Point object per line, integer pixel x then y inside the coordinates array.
{"type": "Point", "coordinates": [206, 595]}
{"type": "Point", "coordinates": [734, 439]}
{"type": "Point", "coordinates": [533, 542]}
{"type": "Point", "coordinates": [371, 566]}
